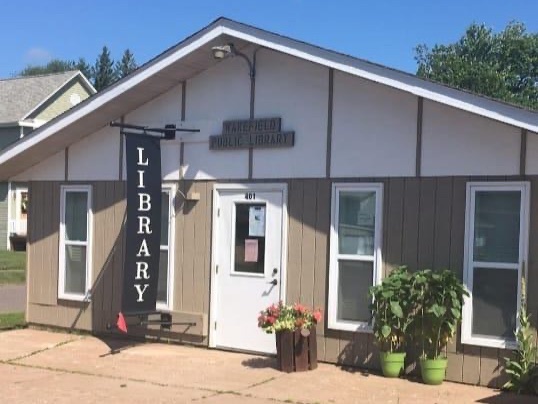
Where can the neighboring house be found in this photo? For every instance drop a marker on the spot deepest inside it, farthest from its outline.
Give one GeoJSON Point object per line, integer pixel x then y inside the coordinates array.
{"type": "Point", "coordinates": [25, 104]}
{"type": "Point", "coordinates": [386, 169]}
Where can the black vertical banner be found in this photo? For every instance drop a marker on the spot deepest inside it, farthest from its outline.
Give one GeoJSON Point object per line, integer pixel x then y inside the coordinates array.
{"type": "Point", "coordinates": [143, 229]}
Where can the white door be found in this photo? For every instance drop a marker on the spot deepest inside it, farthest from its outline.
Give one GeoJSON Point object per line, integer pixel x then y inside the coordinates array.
{"type": "Point", "coordinates": [247, 264]}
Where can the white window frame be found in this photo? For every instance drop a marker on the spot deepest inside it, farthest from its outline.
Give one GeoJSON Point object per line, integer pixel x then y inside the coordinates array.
{"type": "Point", "coordinates": [170, 189]}
{"type": "Point", "coordinates": [335, 256]}
{"type": "Point", "coordinates": [469, 263]}
{"type": "Point", "coordinates": [62, 294]}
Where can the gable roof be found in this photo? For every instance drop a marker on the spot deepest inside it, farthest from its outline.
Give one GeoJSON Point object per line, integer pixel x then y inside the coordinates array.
{"type": "Point", "coordinates": [22, 95]}
{"type": "Point", "coordinates": [193, 55]}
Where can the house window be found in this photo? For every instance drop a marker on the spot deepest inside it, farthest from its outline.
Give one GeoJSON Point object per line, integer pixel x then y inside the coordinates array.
{"type": "Point", "coordinates": [164, 288]}
{"type": "Point", "coordinates": [74, 279]}
{"type": "Point", "coordinates": [495, 254]}
{"type": "Point", "coordinates": [355, 254]}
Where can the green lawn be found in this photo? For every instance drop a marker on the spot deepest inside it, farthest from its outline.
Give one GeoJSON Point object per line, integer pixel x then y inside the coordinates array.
{"type": "Point", "coordinates": [12, 267]}
{"type": "Point", "coordinates": [12, 320]}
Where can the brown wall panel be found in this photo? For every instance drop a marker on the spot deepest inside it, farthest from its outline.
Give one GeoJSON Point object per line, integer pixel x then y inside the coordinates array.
{"type": "Point", "coordinates": [424, 223]}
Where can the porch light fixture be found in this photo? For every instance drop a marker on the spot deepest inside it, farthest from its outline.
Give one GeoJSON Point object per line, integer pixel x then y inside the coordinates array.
{"type": "Point", "coordinates": [228, 51]}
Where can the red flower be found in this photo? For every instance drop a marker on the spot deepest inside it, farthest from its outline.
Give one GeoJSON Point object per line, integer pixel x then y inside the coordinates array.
{"type": "Point", "coordinates": [317, 316]}
{"type": "Point", "coordinates": [299, 308]}
{"type": "Point", "coordinates": [271, 320]}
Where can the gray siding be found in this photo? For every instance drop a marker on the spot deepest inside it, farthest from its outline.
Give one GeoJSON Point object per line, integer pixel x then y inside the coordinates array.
{"type": "Point", "coordinates": [423, 226]}
{"type": "Point", "coordinates": [9, 135]}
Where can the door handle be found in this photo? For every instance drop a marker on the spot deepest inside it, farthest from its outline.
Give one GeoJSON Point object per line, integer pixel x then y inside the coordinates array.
{"type": "Point", "coordinates": [274, 282]}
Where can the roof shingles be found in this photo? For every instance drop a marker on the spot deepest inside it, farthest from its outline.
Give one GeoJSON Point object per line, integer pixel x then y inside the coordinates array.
{"type": "Point", "coordinates": [20, 95]}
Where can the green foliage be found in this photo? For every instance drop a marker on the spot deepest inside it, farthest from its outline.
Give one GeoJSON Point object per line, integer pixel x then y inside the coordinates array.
{"type": "Point", "coordinates": [54, 66]}
{"type": "Point", "coordinates": [103, 71]}
{"type": "Point", "coordinates": [501, 65]}
{"type": "Point", "coordinates": [391, 308]}
{"type": "Point", "coordinates": [522, 370]}
{"type": "Point", "coordinates": [84, 67]}
{"type": "Point", "coordinates": [12, 267]}
{"type": "Point", "coordinates": [438, 299]}
{"type": "Point", "coordinates": [126, 65]}
{"type": "Point", "coordinates": [12, 320]}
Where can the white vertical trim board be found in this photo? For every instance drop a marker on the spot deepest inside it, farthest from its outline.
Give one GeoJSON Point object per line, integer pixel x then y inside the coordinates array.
{"type": "Point", "coordinates": [335, 256]}
{"type": "Point", "coordinates": [469, 262]}
{"type": "Point", "coordinates": [88, 244]}
{"type": "Point", "coordinates": [170, 190]}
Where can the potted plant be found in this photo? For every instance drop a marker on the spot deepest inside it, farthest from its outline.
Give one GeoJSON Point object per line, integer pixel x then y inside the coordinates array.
{"type": "Point", "coordinates": [390, 307]}
{"type": "Point", "coordinates": [438, 298]}
{"type": "Point", "coordinates": [295, 330]}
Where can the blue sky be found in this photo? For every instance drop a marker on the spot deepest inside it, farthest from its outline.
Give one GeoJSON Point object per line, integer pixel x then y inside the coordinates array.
{"type": "Point", "coordinates": [383, 31]}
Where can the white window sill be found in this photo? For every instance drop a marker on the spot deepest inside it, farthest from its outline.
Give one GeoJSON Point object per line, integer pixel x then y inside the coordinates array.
{"type": "Point", "coordinates": [490, 342]}
{"type": "Point", "coordinates": [350, 326]}
{"type": "Point", "coordinates": [74, 297]}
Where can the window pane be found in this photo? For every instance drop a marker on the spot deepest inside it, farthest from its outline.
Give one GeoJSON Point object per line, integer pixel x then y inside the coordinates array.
{"type": "Point", "coordinates": [162, 287]}
{"type": "Point", "coordinates": [356, 225]}
{"type": "Point", "coordinates": [76, 215]}
{"type": "Point", "coordinates": [250, 238]}
{"type": "Point", "coordinates": [354, 279]}
{"type": "Point", "coordinates": [165, 202]}
{"type": "Point", "coordinates": [494, 302]}
{"type": "Point", "coordinates": [75, 269]}
{"type": "Point", "coordinates": [496, 227]}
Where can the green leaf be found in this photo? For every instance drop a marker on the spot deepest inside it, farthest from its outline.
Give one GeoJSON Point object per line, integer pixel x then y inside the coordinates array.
{"type": "Point", "coordinates": [396, 309]}
{"type": "Point", "coordinates": [385, 331]}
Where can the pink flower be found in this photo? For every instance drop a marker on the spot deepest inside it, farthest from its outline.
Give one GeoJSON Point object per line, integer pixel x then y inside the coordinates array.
{"type": "Point", "coordinates": [299, 308]}
{"type": "Point", "coordinates": [317, 316]}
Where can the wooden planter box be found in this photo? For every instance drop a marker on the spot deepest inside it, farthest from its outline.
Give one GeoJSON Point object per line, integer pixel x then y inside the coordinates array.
{"type": "Point", "coordinates": [296, 353]}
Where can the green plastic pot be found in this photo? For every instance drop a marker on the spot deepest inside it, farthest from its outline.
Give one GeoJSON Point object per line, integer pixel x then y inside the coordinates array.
{"type": "Point", "coordinates": [392, 363]}
{"type": "Point", "coordinates": [433, 370]}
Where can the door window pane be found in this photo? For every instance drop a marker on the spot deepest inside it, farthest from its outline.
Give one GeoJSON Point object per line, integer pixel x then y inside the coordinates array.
{"type": "Point", "coordinates": [356, 227]}
{"type": "Point", "coordinates": [75, 269]}
{"type": "Point", "coordinates": [250, 238]}
{"type": "Point", "coordinates": [76, 207]}
{"type": "Point", "coordinates": [354, 279]}
{"type": "Point", "coordinates": [494, 302]}
{"type": "Point", "coordinates": [162, 286]}
{"type": "Point", "coordinates": [496, 226]}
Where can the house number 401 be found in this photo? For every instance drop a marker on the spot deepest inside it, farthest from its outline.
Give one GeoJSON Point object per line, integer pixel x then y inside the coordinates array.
{"type": "Point", "coordinates": [250, 196]}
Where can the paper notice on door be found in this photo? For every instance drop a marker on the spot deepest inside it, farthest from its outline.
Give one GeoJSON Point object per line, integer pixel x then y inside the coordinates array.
{"type": "Point", "coordinates": [256, 221]}
{"type": "Point", "coordinates": [251, 250]}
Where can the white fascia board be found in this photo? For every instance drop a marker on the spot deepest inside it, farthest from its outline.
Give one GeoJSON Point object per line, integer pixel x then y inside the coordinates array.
{"type": "Point", "coordinates": [406, 82]}
{"type": "Point", "coordinates": [106, 96]}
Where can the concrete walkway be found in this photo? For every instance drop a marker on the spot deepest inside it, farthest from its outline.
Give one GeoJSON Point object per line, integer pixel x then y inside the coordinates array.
{"type": "Point", "coordinates": [12, 298]}
{"type": "Point", "coordinates": [45, 367]}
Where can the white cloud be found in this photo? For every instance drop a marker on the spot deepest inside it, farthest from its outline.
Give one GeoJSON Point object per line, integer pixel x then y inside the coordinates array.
{"type": "Point", "coordinates": [37, 56]}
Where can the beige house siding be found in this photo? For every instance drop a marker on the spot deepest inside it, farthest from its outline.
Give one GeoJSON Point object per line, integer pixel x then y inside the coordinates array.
{"type": "Point", "coordinates": [60, 102]}
{"type": "Point", "coordinates": [423, 226]}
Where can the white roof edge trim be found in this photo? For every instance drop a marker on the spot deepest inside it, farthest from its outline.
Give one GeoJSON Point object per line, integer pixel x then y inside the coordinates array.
{"type": "Point", "coordinates": [401, 83]}
{"type": "Point", "coordinates": [105, 97]}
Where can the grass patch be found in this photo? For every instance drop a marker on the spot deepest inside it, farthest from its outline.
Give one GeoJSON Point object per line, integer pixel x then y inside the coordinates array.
{"type": "Point", "coordinates": [12, 320]}
{"type": "Point", "coordinates": [12, 267]}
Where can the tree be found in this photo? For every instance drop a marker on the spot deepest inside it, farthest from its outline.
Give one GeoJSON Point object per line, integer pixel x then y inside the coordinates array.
{"type": "Point", "coordinates": [126, 65]}
{"type": "Point", "coordinates": [84, 67]}
{"type": "Point", "coordinates": [54, 66]}
{"type": "Point", "coordinates": [501, 65]}
{"type": "Point", "coordinates": [103, 71]}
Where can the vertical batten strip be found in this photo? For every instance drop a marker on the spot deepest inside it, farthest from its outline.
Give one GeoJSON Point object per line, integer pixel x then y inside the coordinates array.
{"type": "Point", "coordinates": [523, 152]}
{"type": "Point", "coordinates": [329, 124]}
{"type": "Point", "coordinates": [120, 168]}
{"type": "Point", "coordinates": [66, 164]}
{"type": "Point", "coordinates": [251, 115]}
{"type": "Point", "coordinates": [418, 159]}
{"type": "Point", "coordinates": [183, 113]}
